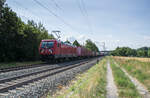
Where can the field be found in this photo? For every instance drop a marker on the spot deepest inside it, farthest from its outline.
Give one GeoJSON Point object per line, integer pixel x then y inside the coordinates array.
{"type": "Point", "coordinates": [137, 67]}
{"type": "Point", "coordinates": [133, 58]}
{"type": "Point", "coordinates": [126, 88]}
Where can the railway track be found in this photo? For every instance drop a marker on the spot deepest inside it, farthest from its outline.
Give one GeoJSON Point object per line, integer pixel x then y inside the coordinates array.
{"type": "Point", "coordinates": [7, 84]}
{"type": "Point", "coordinates": [6, 76]}
{"type": "Point", "coordinates": [2, 70]}
{"type": "Point", "coordinates": [27, 66]}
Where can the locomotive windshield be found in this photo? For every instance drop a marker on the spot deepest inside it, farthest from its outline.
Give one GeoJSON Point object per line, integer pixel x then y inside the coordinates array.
{"type": "Point", "coordinates": [47, 44]}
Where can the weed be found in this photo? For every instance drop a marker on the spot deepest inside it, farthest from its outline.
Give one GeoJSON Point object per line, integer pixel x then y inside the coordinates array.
{"type": "Point", "coordinates": [126, 88]}
{"type": "Point", "coordinates": [138, 68]}
{"type": "Point", "coordinates": [91, 84]}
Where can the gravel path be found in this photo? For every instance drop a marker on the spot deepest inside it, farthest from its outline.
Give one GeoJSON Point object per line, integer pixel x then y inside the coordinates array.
{"type": "Point", "coordinates": [111, 87]}
{"type": "Point", "coordinates": [141, 89]}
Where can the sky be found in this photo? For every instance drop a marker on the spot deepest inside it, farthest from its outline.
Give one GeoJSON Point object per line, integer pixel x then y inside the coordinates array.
{"type": "Point", "coordinates": [113, 22]}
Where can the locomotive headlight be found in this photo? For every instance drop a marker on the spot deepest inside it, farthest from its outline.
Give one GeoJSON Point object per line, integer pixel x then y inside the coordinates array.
{"type": "Point", "coordinates": [42, 50]}
{"type": "Point", "coordinates": [50, 50]}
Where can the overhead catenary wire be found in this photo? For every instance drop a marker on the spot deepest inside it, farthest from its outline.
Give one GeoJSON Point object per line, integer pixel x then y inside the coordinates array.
{"type": "Point", "coordinates": [84, 8]}
{"type": "Point", "coordinates": [85, 14]}
{"type": "Point", "coordinates": [27, 18]}
{"type": "Point", "coordinates": [56, 4]}
{"type": "Point", "coordinates": [23, 16]}
{"type": "Point", "coordinates": [28, 10]}
{"type": "Point", "coordinates": [52, 13]}
{"type": "Point", "coordinates": [82, 12]}
{"type": "Point", "coordinates": [32, 12]}
{"type": "Point", "coordinates": [89, 22]}
{"type": "Point", "coordinates": [79, 5]}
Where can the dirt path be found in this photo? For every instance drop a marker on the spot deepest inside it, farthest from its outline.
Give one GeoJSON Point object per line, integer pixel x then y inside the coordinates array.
{"type": "Point", "coordinates": [111, 87]}
{"type": "Point", "coordinates": [141, 89]}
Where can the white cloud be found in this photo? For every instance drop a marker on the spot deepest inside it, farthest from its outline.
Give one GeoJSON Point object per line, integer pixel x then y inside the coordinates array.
{"type": "Point", "coordinates": [146, 38]}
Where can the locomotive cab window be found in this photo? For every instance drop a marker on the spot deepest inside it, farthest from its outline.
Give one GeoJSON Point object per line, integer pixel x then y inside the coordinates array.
{"type": "Point", "coordinates": [47, 44]}
{"type": "Point", "coordinates": [43, 44]}
{"type": "Point", "coordinates": [50, 44]}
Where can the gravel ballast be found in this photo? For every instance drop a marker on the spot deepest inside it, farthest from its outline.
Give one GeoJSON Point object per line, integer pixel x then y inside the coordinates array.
{"type": "Point", "coordinates": [49, 84]}
{"type": "Point", "coordinates": [7, 75]}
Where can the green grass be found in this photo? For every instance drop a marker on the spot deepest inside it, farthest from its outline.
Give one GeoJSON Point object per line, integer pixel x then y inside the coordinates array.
{"type": "Point", "coordinates": [14, 64]}
{"type": "Point", "coordinates": [91, 84]}
{"type": "Point", "coordinates": [138, 69]}
{"type": "Point", "coordinates": [126, 88]}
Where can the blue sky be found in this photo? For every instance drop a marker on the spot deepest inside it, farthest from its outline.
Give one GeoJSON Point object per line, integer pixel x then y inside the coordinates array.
{"type": "Point", "coordinates": [115, 22]}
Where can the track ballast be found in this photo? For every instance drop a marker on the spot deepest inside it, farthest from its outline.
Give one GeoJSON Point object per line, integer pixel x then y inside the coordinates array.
{"type": "Point", "coordinates": [7, 86]}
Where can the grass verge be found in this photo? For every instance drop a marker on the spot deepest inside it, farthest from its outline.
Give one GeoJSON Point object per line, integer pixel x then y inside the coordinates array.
{"type": "Point", "coordinates": [14, 64]}
{"type": "Point", "coordinates": [138, 69]}
{"type": "Point", "coordinates": [126, 88]}
{"type": "Point", "coordinates": [91, 84]}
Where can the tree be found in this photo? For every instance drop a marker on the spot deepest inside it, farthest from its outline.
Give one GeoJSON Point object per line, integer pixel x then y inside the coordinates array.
{"type": "Point", "coordinates": [11, 30]}
{"type": "Point", "coordinates": [91, 46]}
{"type": "Point", "coordinates": [35, 33]}
{"type": "Point", "coordinates": [149, 52]}
{"type": "Point", "coordinates": [2, 2]}
{"type": "Point", "coordinates": [142, 52]}
{"type": "Point", "coordinates": [124, 51]}
{"type": "Point", "coordinates": [67, 42]}
{"type": "Point", "coordinates": [20, 41]}
{"type": "Point", "coordinates": [76, 43]}
{"type": "Point", "coordinates": [130, 52]}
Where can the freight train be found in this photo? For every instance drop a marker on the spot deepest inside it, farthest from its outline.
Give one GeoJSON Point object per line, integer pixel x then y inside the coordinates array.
{"type": "Point", "coordinates": [52, 50]}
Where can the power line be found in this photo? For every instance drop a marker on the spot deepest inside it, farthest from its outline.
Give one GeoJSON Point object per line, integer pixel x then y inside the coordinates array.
{"type": "Point", "coordinates": [79, 5]}
{"type": "Point", "coordinates": [57, 7]}
{"type": "Point", "coordinates": [25, 8]}
{"type": "Point", "coordinates": [83, 13]}
{"type": "Point", "coordinates": [27, 18]}
{"type": "Point", "coordinates": [52, 13]}
{"type": "Point", "coordinates": [86, 15]}
{"type": "Point", "coordinates": [84, 8]}
{"type": "Point", "coordinates": [17, 3]}
{"type": "Point", "coordinates": [56, 4]}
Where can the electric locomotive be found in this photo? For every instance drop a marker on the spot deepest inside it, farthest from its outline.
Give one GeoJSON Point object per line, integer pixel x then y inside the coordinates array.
{"type": "Point", "coordinates": [55, 49]}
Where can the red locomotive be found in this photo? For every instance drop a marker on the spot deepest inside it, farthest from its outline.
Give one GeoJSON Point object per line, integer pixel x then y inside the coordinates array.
{"type": "Point", "coordinates": [55, 50]}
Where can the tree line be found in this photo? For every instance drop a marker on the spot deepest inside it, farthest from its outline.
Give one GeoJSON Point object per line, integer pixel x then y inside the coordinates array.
{"type": "Point", "coordinates": [19, 41]}
{"type": "Point", "coordinates": [88, 44]}
{"type": "Point", "coordinates": [126, 51]}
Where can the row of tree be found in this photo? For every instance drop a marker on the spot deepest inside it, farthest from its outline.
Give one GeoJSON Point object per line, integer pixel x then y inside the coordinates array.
{"type": "Point", "coordinates": [88, 44]}
{"type": "Point", "coordinates": [91, 45]}
{"type": "Point", "coordinates": [126, 51]}
{"type": "Point", "coordinates": [19, 41]}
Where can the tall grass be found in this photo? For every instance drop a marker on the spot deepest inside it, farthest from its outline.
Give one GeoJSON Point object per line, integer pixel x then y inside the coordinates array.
{"type": "Point", "coordinates": [138, 69]}
{"type": "Point", "coordinates": [91, 84]}
{"type": "Point", "coordinates": [126, 88]}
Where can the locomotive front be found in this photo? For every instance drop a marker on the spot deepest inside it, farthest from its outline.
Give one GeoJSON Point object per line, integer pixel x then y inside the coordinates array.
{"type": "Point", "coordinates": [46, 50]}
